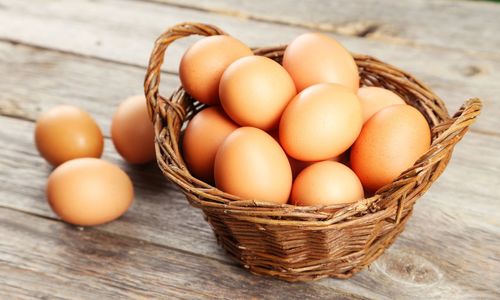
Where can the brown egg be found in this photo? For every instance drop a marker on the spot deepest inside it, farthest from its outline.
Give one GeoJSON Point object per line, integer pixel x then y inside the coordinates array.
{"type": "Point", "coordinates": [326, 183]}
{"type": "Point", "coordinates": [89, 191]}
{"type": "Point", "coordinates": [373, 99]}
{"type": "Point", "coordinates": [132, 131]}
{"type": "Point", "coordinates": [67, 132]}
{"type": "Point", "coordinates": [251, 164]}
{"type": "Point", "coordinates": [204, 62]}
{"type": "Point", "coordinates": [299, 165]}
{"type": "Point", "coordinates": [390, 142]}
{"type": "Point", "coordinates": [315, 58]}
{"type": "Point", "coordinates": [321, 122]}
{"type": "Point", "coordinates": [203, 136]}
{"type": "Point", "coordinates": [255, 90]}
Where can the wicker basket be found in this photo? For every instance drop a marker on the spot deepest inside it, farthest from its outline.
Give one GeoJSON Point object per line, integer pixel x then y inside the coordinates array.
{"type": "Point", "coordinates": [298, 243]}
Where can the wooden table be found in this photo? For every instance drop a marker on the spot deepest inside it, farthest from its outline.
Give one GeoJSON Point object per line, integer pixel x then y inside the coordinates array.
{"type": "Point", "coordinates": [93, 54]}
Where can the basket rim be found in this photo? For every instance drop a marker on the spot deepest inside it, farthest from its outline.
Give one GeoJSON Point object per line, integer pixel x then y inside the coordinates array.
{"type": "Point", "coordinates": [409, 185]}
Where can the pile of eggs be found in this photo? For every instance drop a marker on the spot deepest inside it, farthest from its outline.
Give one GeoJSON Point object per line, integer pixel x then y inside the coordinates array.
{"type": "Point", "coordinates": [303, 132]}
{"type": "Point", "coordinates": [83, 189]}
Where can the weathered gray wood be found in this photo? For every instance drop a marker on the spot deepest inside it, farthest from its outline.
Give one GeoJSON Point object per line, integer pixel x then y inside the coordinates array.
{"type": "Point", "coordinates": [32, 72]}
{"type": "Point", "coordinates": [56, 78]}
{"type": "Point", "coordinates": [78, 80]}
{"type": "Point", "coordinates": [450, 248]}
{"type": "Point", "coordinates": [452, 225]}
{"type": "Point", "coordinates": [100, 29]}
{"type": "Point", "coordinates": [42, 258]}
{"type": "Point", "coordinates": [469, 25]}
{"type": "Point", "coordinates": [160, 214]}
{"type": "Point", "coordinates": [39, 79]}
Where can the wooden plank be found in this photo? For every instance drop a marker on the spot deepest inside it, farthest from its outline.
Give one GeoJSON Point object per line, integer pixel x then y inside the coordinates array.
{"type": "Point", "coordinates": [455, 218]}
{"type": "Point", "coordinates": [69, 73]}
{"type": "Point", "coordinates": [79, 81]}
{"type": "Point", "coordinates": [126, 35]}
{"type": "Point", "coordinates": [41, 258]}
{"type": "Point", "coordinates": [61, 78]}
{"type": "Point", "coordinates": [39, 79]}
{"type": "Point", "coordinates": [482, 187]}
{"type": "Point", "coordinates": [160, 214]}
{"type": "Point", "coordinates": [448, 229]}
{"type": "Point", "coordinates": [468, 25]}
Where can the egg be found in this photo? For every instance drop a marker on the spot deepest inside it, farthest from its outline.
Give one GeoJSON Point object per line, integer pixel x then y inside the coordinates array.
{"type": "Point", "coordinates": [390, 142]}
{"type": "Point", "coordinates": [321, 122]}
{"type": "Point", "coordinates": [299, 165]}
{"type": "Point", "coordinates": [313, 58]}
{"type": "Point", "coordinates": [67, 132]}
{"type": "Point", "coordinates": [89, 191]}
{"type": "Point", "coordinates": [326, 183]}
{"type": "Point", "coordinates": [251, 164]}
{"type": "Point", "coordinates": [132, 131]}
{"type": "Point", "coordinates": [203, 136]}
{"type": "Point", "coordinates": [255, 90]}
{"type": "Point", "coordinates": [202, 65]}
{"type": "Point", "coordinates": [373, 99]}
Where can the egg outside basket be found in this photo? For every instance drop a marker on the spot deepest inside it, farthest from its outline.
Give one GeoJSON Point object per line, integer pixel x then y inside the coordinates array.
{"type": "Point", "coordinates": [296, 243]}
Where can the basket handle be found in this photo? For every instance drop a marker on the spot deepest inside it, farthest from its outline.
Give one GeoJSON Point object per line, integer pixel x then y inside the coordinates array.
{"type": "Point", "coordinates": [455, 128]}
{"type": "Point", "coordinates": [449, 133]}
{"type": "Point", "coordinates": [152, 79]}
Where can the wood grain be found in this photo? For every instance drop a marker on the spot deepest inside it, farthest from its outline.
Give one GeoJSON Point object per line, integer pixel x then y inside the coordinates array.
{"type": "Point", "coordinates": [41, 258]}
{"type": "Point", "coordinates": [46, 68]}
{"type": "Point", "coordinates": [466, 25]}
{"type": "Point", "coordinates": [39, 79]}
{"type": "Point", "coordinates": [162, 247]}
{"type": "Point", "coordinates": [441, 234]}
{"type": "Point", "coordinates": [61, 78]}
{"type": "Point", "coordinates": [97, 29]}
{"type": "Point", "coordinates": [56, 78]}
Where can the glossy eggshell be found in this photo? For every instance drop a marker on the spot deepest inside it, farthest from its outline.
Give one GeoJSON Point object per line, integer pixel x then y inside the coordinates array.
{"type": "Point", "coordinates": [255, 90]}
{"type": "Point", "coordinates": [326, 183]}
{"type": "Point", "coordinates": [132, 131]}
{"type": "Point", "coordinates": [314, 58]}
{"type": "Point", "coordinates": [390, 142]}
{"type": "Point", "coordinates": [203, 136]}
{"type": "Point", "coordinates": [89, 191]}
{"type": "Point", "coordinates": [67, 132]}
{"type": "Point", "coordinates": [299, 165]}
{"type": "Point", "coordinates": [203, 63]}
{"type": "Point", "coordinates": [373, 99]}
{"type": "Point", "coordinates": [321, 122]}
{"type": "Point", "coordinates": [251, 164]}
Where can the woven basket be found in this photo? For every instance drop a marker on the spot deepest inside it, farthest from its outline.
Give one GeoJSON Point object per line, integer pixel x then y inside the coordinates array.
{"type": "Point", "coordinates": [300, 243]}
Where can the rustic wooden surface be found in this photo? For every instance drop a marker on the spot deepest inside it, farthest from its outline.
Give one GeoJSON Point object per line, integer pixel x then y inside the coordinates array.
{"type": "Point", "coordinates": [93, 53]}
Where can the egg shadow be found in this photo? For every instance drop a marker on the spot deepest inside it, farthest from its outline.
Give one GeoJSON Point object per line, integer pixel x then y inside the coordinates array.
{"type": "Point", "coordinates": [147, 176]}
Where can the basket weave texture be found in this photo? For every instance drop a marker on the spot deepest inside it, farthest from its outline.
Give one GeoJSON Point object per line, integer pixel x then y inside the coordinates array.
{"type": "Point", "coordinates": [300, 243]}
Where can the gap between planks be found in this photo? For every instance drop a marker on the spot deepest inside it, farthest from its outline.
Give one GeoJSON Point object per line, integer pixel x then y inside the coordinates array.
{"type": "Point", "coordinates": [363, 279]}
{"type": "Point", "coordinates": [96, 262]}
{"type": "Point", "coordinates": [120, 62]}
{"type": "Point", "coordinates": [361, 29]}
{"type": "Point", "coordinates": [97, 229]}
{"type": "Point", "coordinates": [481, 131]}
{"type": "Point", "coordinates": [77, 54]}
{"type": "Point", "coordinates": [453, 75]}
